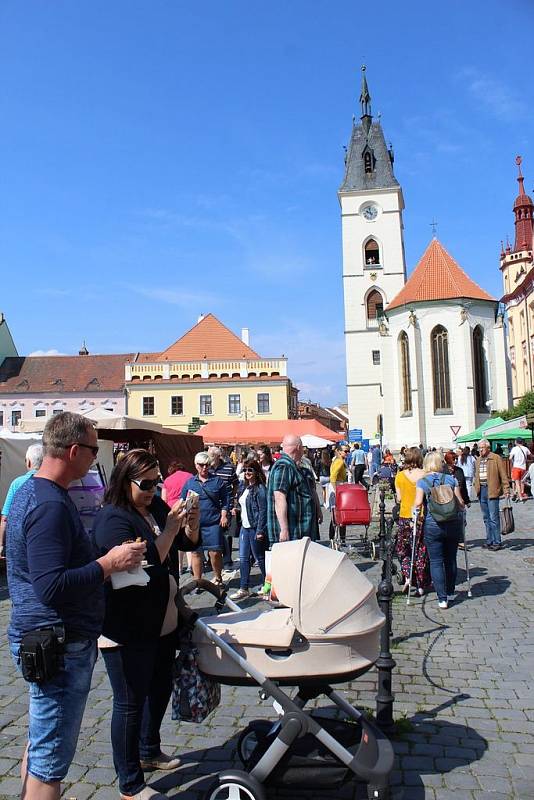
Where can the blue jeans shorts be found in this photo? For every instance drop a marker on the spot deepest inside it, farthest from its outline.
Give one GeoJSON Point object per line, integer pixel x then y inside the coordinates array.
{"type": "Point", "coordinates": [56, 711]}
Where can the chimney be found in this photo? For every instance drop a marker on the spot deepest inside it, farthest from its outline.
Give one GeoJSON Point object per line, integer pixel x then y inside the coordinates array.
{"type": "Point", "coordinates": [83, 351]}
{"type": "Point", "coordinates": [244, 336]}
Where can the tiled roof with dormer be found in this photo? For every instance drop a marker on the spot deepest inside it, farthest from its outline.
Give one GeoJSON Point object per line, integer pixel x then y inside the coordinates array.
{"type": "Point", "coordinates": [90, 373]}
{"type": "Point", "coordinates": [210, 339]}
{"type": "Point", "coordinates": [437, 276]}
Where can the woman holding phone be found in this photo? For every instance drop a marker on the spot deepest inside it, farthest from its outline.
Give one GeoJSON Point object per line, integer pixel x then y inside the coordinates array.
{"type": "Point", "coordinates": [139, 633]}
{"type": "Point", "coordinates": [252, 499]}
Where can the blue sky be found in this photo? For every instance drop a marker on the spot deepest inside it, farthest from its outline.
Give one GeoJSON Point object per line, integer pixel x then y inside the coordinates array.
{"type": "Point", "coordinates": [162, 159]}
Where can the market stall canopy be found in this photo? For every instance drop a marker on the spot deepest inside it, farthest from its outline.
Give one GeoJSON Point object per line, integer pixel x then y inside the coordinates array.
{"type": "Point", "coordinates": [481, 432]}
{"type": "Point", "coordinates": [310, 440]}
{"type": "Point", "coordinates": [509, 435]}
{"type": "Point", "coordinates": [169, 444]}
{"type": "Point", "coordinates": [264, 431]}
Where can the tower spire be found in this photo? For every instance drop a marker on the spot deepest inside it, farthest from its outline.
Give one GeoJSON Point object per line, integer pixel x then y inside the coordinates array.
{"type": "Point", "coordinates": [365, 97]}
{"type": "Point", "coordinates": [524, 214]}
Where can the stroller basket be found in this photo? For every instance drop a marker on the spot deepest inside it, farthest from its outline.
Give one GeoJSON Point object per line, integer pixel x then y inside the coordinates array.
{"type": "Point", "coordinates": [327, 633]}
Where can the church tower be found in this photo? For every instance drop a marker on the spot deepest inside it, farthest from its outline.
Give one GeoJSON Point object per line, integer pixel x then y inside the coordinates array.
{"type": "Point", "coordinates": [518, 283]}
{"type": "Point", "coordinates": [374, 268]}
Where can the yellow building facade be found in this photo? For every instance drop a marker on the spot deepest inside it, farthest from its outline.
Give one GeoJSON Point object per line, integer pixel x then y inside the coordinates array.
{"type": "Point", "coordinates": [217, 377]}
{"type": "Point", "coordinates": [517, 267]}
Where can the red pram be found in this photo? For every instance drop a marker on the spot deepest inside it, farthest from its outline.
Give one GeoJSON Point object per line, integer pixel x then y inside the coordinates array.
{"type": "Point", "coordinates": [352, 508]}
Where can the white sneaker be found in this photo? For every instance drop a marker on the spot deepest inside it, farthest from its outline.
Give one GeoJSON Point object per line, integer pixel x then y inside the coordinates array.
{"type": "Point", "coordinates": [443, 604]}
{"type": "Point", "coordinates": [229, 574]}
{"type": "Point", "coordinates": [241, 594]}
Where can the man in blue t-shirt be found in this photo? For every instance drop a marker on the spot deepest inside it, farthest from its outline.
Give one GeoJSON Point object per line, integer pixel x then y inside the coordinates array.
{"type": "Point", "coordinates": [56, 584]}
{"type": "Point", "coordinates": [33, 460]}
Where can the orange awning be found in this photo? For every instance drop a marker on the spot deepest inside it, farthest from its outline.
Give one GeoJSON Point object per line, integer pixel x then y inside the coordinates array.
{"type": "Point", "coordinates": [263, 431]}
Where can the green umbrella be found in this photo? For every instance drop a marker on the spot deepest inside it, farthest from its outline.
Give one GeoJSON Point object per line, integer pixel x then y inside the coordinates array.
{"type": "Point", "coordinates": [481, 432]}
{"type": "Point", "coordinates": [511, 435]}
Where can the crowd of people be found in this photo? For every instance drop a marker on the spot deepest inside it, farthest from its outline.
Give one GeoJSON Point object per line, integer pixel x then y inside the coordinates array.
{"type": "Point", "coordinates": [61, 580]}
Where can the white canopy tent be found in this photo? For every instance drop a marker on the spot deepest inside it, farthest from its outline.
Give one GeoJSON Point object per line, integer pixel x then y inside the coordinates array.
{"type": "Point", "coordinates": [316, 442]}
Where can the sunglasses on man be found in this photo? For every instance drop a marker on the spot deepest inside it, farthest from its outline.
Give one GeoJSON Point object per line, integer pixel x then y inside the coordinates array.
{"type": "Point", "coordinates": [147, 483]}
{"type": "Point", "coordinates": [91, 447]}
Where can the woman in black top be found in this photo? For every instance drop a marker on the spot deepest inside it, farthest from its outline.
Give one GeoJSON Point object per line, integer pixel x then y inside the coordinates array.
{"type": "Point", "coordinates": [139, 633]}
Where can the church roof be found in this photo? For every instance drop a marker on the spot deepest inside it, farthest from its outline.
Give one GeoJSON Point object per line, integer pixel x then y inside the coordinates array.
{"type": "Point", "coordinates": [367, 138]}
{"type": "Point", "coordinates": [209, 338]}
{"type": "Point", "coordinates": [437, 276]}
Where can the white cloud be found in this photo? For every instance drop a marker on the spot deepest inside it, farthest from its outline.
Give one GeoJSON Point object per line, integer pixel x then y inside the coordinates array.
{"type": "Point", "coordinates": [201, 300]}
{"type": "Point", "coordinates": [47, 353]}
{"type": "Point", "coordinates": [492, 93]}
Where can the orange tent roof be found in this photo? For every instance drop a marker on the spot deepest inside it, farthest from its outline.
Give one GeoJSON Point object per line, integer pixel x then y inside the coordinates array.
{"type": "Point", "coordinates": [209, 338]}
{"type": "Point", "coordinates": [263, 431]}
{"type": "Point", "coordinates": [437, 277]}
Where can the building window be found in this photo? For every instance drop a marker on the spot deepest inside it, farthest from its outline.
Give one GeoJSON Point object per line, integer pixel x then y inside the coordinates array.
{"type": "Point", "coordinates": [234, 403]}
{"type": "Point", "coordinates": [406, 378]}
{"type": "Point", "coordinates": [177, 405]}
{"type": "Point", "coordinates": [512, 355]}
{"type": "Point", "coordinates": [376, 357]}
{"type": "Point", "coordinates": [40, 412]}
{"type": "Point", "coordinates": [439, 342]}
{"type": "Point", "coordinates": [148, 407]}
{"type": "Point", "coordinates": [1, 419]}
{"type": "Point", "coordinates": [372, 253]}
{"type": "Point", "coordinates": [375, 308]}
{"type": "Point", "coordinates": [368, 162]}
{"type": "Point", "coordinates": [57, 410]}
{"type": "Point", "coordinates": [205, 404]}
{"type": "Point", "coordinates": [15, 418]}
{"type": "Point", "coordinates": [264, 405]}
{"type": "Point", "coordinates": [479, 369]}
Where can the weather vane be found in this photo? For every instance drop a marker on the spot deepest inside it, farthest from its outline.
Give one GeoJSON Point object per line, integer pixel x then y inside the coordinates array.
{"type": "Point", "coordinates": [434, 225]}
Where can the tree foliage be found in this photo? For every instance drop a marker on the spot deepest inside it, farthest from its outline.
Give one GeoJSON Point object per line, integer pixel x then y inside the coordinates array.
{"type": "Point", "coordinates": [524, 406]}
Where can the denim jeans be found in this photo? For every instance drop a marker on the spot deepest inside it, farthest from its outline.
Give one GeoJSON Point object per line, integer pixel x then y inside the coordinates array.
{"type": "Point", "coordinates": [56, 711]}
{"type": "Point", "coordinates": [249, 545]}
{"type": "Point", "coordinates": [441, 540]}
{"type": "Point", "coordinates": [141, 679]}
{"type": "Point", "coordinates": [492, 520]}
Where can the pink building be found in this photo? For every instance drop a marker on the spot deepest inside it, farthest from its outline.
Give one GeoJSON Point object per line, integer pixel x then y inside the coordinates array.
{"type": "Point", "coordinates": [39, 386]}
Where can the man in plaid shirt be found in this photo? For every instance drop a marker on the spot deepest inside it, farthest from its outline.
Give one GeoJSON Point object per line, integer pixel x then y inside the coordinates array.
{"type": "Point", "coordinates": [290, 505]}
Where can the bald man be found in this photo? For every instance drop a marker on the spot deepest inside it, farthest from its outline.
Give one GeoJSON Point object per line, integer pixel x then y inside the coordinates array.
{"type": "Point", "coordinates": [290, 503]}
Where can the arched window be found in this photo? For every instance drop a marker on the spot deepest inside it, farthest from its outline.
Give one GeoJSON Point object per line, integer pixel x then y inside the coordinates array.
{"type": "Point", "coordinates": [375, 307]}
{"type": "Point", "coordinates": [439, 343]}
{"type": "Point", "coordinates": [405, 376]}
{"type": "Point", "coordinates": [372, 253]}
{"type": "Point", "coordinates": [479, 370]}
{"type": "Point", "coordinates": [368, 162]}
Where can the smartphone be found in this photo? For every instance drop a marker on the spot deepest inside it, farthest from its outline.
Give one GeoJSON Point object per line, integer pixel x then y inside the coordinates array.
{"type": "Point", "coordinates": [190, 500]}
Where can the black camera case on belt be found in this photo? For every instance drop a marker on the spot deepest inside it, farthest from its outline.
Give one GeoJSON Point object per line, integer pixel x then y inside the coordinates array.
{"type": "Point", "coordinates": [41, 654]}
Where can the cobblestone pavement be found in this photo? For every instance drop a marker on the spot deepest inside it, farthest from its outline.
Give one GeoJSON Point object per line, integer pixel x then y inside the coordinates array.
{"type": "Point", "coordinates": [463, 685]}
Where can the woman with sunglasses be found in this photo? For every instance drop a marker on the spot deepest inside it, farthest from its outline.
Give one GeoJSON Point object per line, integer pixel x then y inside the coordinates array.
{"type": "Point", "coordinates": [139, 633]}
{"type": "Point", "coordinates": [252, 499]}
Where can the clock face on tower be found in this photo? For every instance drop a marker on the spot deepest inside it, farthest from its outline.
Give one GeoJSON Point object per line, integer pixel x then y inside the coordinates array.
{"type": "Point", "coordinates": [370, 212]}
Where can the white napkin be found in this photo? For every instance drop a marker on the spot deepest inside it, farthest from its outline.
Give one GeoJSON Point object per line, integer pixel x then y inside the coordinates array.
{"type": "Point", "coordinates": [132, 577]}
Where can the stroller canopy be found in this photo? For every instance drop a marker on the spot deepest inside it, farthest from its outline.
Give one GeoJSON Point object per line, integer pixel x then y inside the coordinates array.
{"type": "Point", "coordinates": [328, 594]}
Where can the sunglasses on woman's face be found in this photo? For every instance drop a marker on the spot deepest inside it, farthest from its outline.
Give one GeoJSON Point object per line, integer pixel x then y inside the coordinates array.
{"type": "Point", "coordinates": [147, 484]}
{"type": "Point", "coordinates": [248, 471]}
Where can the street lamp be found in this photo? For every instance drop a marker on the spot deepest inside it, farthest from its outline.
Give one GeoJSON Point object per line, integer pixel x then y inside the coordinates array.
{"type": "Point", "coordinates": [246, 414]}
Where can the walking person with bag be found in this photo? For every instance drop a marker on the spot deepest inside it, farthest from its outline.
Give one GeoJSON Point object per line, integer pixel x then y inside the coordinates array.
{"type": "Point", "coordinates": [491, 481]}
{"type": "Point", "coordinates": [252, 499]}
{"type": "Point", "coordinates": [405, 490]}
{"type": "Point", "coordinates": [443, 525]}
{"type": "Point", "coordinates": [519, 458]}
{"type": "Point", "coordinates": [214, 497]}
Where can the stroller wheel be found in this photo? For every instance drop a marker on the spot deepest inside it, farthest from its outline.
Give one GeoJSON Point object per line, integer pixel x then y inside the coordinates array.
{"type": "Point", "coordinates": [235, 785]}
{"type": "Point", "coordinates": [249, 739]}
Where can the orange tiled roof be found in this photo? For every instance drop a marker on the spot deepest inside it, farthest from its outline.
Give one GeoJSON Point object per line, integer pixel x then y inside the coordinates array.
{"type": "Point", "coordinates": [95, 373]}
{"type": "Point", "coordinates": [209, 338]}
{"type": "Point", "coordinates": [437, 277]}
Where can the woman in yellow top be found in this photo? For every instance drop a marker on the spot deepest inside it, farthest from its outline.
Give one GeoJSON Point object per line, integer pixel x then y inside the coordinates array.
{"type": "Point", "coordinates": [338, 474]}
{"type": "Point", "coordinates": [405, 486]}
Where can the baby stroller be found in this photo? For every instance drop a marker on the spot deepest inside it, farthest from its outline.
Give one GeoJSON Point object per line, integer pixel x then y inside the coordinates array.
{"type": "Point", "coordinates": [351, 507]}
{"type": "Point", "coordinates": [325, 631]}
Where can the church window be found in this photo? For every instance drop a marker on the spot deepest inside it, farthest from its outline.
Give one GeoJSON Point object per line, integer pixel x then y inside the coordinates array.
{"type": "Point", "coordinates": [372, 253]}
{"type": "Point", "coordinates": [479, 370]}
{"type": "Point", "coordinates": [368, 162]}
{"type": "Point", "coordinates": [406, 379]}
{"type": "Point", "coordinates": [439, 341]}
{"type": "Point", "coordinates": [376, 357]}
{"type": "Point", "coordinates": [375, 308]}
